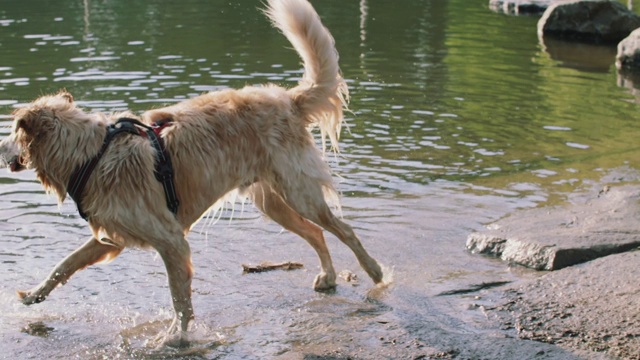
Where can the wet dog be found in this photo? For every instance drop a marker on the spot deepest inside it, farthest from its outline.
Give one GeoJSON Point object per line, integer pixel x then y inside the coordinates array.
{"type": "Point", "coordinates": [254, 140]}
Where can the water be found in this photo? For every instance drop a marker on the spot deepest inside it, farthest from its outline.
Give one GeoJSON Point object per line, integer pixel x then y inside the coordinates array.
{"type": "Point", "coordinates": [459, 116]}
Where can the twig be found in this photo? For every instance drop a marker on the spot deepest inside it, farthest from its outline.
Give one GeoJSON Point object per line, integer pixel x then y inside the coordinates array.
{"type": "Point", "coordinates": [268, 266]}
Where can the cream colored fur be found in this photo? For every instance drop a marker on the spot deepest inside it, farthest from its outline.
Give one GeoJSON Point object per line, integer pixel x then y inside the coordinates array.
{"type": "Point", "coordinates": [254, 140]}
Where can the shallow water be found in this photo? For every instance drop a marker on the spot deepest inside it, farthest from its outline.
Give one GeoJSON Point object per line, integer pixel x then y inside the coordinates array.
{"type": "Point", "coordinates": [459, 116]}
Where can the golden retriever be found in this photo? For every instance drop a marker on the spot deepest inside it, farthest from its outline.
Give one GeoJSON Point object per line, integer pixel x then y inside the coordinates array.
{"type": "Point", "coordinates": [254, 140]}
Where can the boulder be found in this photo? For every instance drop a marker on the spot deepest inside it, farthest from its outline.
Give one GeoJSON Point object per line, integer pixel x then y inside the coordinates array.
{"type": "Point", "coordinates": [606, 22]}
{"type": "Point", "coordinates": [557, 237]}
{"type": "Point", "coordinates": [628, 56]}
{"type": "Point", "coordinates": [520, 7]}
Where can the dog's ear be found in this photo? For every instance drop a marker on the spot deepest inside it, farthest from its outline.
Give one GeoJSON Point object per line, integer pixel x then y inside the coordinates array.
{"type": "Point", "coordinates": [27, 120]}
{"type": "Point", "coordinates": [66, 95]}
{"type": "Point", "coordinates": [23, 124]}
{"type": "Point", "coordinates": [24, 121]}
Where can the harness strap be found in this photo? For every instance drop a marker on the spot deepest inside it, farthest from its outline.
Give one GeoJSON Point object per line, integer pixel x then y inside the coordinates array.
{"type": "Point", "coordinates": [163, 169]}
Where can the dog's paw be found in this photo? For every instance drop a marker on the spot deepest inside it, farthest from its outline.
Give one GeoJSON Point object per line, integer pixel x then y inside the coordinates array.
{"type": "Point", "coordinates": [29, 298]}
{"type": "Point", "coordinates": [324, 282]}
{"type": "Point", "coordinates": [176, 340]}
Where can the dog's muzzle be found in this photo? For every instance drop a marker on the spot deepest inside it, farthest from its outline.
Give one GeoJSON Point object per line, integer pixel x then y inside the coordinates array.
{"type": "Point", "coordinates": [16, 164]}
{"type": "Point", "coordinates": [10, 155]}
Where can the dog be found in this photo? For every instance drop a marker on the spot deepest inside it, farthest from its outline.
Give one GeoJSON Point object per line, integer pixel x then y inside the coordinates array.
{"type": "Point", "coordinates": [255, 140]}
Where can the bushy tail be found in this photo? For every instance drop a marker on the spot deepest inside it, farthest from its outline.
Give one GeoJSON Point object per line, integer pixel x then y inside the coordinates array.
{"type": "Point", "coordinates": [322, 92]}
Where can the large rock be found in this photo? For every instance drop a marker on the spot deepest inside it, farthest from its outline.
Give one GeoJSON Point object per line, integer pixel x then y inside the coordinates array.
{"type": "Point", "coordinates": [554, 238]}
{"type": "Point", "coordinates": [628, 56]}
{"type": "Point", "coordinates": [520, 7]}
{"type": "Point", "coordinates": [605, 22]}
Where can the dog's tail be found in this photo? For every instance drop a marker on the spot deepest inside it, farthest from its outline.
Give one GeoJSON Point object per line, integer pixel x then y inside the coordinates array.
{"type": "Point", "coordinates": [322, 92]}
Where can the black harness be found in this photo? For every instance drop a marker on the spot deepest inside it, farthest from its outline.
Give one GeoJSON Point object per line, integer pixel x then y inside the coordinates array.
{"type": "Point", "coordinates": [163, 170]}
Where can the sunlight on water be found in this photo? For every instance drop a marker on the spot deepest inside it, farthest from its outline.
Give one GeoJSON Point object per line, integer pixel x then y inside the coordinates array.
{"type": "Point", "coordinates": [457, 116]}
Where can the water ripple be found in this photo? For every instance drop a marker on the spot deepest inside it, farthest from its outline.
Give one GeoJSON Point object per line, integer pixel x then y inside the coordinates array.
{"type": "Point", "coordinates": [94, 74]}
{"type": "Point", "coordinates": [94, 58]}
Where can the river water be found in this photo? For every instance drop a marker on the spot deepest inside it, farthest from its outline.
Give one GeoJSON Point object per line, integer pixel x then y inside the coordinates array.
{"type": "Point", "coordinates": [459, 116]}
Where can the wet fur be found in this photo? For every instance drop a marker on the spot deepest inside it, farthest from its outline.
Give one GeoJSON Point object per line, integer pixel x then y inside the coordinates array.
{"type": "Point", "coordinates": [253, 140]}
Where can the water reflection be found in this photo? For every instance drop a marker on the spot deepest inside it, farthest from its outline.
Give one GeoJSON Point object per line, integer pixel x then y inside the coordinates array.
{"type": "Point", "coordinates": [364, 12]}
{"type": "Point", "coordinates": [432, 98]}
{"type": "Point", "coordinates": [581, 56]}
{"type": "Point", "coordinates": [458, 117]}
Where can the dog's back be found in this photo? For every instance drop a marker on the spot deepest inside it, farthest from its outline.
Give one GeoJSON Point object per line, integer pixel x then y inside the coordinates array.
{"type": "Point", "coordinates": [259, 133]}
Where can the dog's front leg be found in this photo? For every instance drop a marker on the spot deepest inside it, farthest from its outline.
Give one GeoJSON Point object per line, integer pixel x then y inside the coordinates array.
{"type": "Point", "coordinates": [91, 252]}
{"type": "Point", "coordinates": [177, 260]}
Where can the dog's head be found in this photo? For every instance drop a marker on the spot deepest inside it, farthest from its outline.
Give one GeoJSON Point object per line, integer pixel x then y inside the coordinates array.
{"type": "Point", "coordinates": [45, 137]}
{"type": "Point", "coordinates": [34, 126]}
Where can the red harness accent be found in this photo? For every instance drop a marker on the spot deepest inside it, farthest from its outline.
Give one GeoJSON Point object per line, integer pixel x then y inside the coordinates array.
{"type": "Point", "coordinates": [157, 127]}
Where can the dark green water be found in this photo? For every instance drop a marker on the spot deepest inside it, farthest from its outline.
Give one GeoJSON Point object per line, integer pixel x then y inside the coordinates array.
{"type": "Point", "coordinates": [459, 115]}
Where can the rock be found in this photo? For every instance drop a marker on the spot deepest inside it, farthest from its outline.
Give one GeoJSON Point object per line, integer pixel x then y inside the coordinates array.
{"type": "Point", "coordinates": [37, 328]}
{"type": "Point", "coordinates": [520, 7]}
{"type": "Point", "coordinates": [592, 307]}
{"type": "Point", "coordinates": [557, 237]}
{"type": "Point", "coordinates": [605, 22]}
{"type": "Point", "coordinates": [628, 55]}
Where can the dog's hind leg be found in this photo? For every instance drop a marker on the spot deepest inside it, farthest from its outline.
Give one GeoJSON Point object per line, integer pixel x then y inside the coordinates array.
{"type": "Point", "coordinates": [275, 208]}
{"type": "Point", "coordinates": [93, 251]}
{"type": "Point", "coordinates": [345, 233]}
{"type": "Point", "coordinates": [305, 196]}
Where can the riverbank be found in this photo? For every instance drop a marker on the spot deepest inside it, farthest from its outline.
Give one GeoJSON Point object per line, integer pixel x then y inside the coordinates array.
{"type": "Point", "coordinates": [591, 307]}
{"type": "Point", "coordinates": [589, 303]}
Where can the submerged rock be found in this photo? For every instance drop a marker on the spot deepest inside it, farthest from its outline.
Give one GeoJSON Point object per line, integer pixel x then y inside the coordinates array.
{"type": "Point", "coordinates": [628, 56]}
{"type": "Point", "coordinates": [554, 238]}
{"type": "Point", "coordinates": [605, 22]}
{"type": "Point", "coordinates": [37, 328]}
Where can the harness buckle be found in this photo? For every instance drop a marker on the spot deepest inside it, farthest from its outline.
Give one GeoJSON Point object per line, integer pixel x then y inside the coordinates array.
{"type": "Point", "coordinates": [163, 171]}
